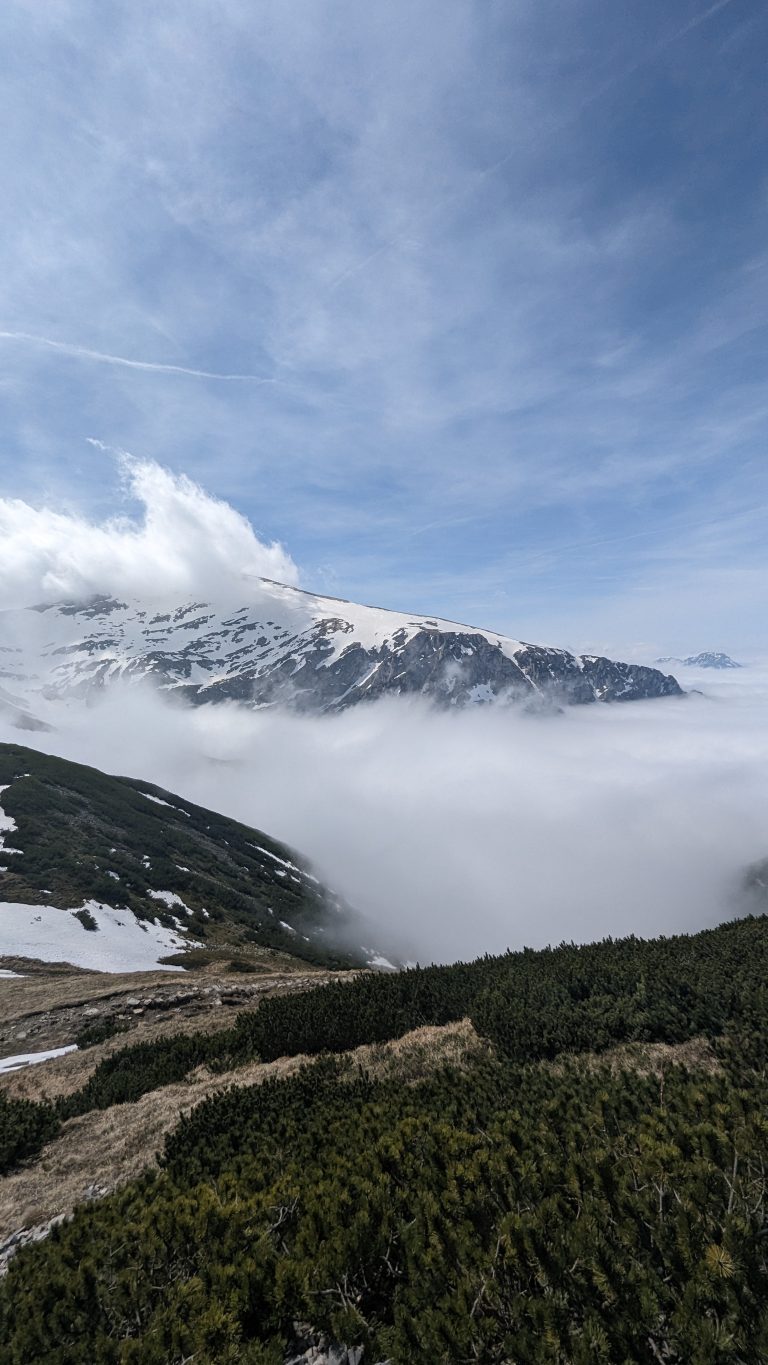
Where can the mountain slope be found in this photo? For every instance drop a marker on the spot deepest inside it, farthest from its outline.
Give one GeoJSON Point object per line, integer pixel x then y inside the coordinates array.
{"type": "Point", "coordinates": [293, 648]}
{"type": "Point", "coordinates": [108, 871]}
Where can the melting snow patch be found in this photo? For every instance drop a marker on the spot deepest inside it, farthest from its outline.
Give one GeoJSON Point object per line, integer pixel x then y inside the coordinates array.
{"type": "Point", "coordinates": [378, 961]}
{"type": "Point", "coordinates": [5, 973]}
{"type": "Point", "coordinates": [289, 927]}
{"type": "Point", "coordinates": [481, 692]}
{"type": "Point", "coordinates": [275, 858]}
{"type": "Point", "coordinates": [158, 802]}
{"type": "Point", "coordinates": [7, 822]}
{"type": "Point", "coordinates": [30, 1058]}
{"type": "Point", "coordinates": [170, 899]}
{"type": "Point", "coordinates": [123, 943]}
{"type": "Point", "coordinates": [7, 826]}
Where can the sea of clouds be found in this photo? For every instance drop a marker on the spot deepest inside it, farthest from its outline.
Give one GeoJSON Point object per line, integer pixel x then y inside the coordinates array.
{"type": "Point", "coordinates": [457, 833]}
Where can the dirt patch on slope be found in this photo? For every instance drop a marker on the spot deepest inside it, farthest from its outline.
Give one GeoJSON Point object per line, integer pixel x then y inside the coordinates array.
{"type": "Point", "coordinates": [146, 1006]}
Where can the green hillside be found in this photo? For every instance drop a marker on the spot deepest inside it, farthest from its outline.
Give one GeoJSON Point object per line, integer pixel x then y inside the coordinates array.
{"type": "Point", "coordinates": [554, 1203]}
{"type": "Point", "coordinates": [86, 836]}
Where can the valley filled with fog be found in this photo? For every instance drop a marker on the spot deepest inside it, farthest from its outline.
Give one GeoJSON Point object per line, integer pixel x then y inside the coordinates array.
{"type": "Point", "coordinates": [464, 832]}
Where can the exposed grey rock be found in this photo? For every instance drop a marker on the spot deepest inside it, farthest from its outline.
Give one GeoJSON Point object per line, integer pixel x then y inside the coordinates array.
{"type": "Point", "coordinates": [315, 1348]}
{"type": "Point", "coordinates": [25, 1237]}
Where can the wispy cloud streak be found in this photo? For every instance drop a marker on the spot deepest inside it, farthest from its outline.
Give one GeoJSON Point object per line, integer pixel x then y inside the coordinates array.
{"type": "Point", "coordinates": [154, 367]}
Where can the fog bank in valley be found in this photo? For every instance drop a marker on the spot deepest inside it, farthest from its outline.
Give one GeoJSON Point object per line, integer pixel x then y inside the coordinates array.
{"type": "Point", "coordinates": [461, 833]}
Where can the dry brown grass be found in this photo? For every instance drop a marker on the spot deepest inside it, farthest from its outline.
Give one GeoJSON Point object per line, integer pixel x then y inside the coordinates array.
{"type": "Point", "coordinates": [106, 1148]}
{"type": "Point", "coordinates": [50, 987]}
{"type": "Point", "coordinates": [651, 1059]}
{"type": "Point", "coordinates": [63, 1075]}
{"type": "Point", "coordinates": [418, 1054]}
{"type": "Point", "coordinates": [42, 992]}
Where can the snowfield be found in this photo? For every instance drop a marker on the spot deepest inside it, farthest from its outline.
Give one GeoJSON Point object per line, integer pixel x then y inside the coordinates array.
{"type": "Point", "coordinates": [120, 943]}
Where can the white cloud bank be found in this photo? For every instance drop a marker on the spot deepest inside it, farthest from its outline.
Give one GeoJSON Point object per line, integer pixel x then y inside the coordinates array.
{"type": "Point", "coordinates": [183, 538]}
{"type": "Point", "coordinates": [464, 833]}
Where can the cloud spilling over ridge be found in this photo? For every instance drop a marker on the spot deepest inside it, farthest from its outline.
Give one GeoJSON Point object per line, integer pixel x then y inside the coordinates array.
{"type": "Point", "coordinates": [183, 538]}
{"type": "Point", "coordinates": [460, 833]}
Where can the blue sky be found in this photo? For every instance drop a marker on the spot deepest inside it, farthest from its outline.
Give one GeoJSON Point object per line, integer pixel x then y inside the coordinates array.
{"type": "Point", "coordinates": [491, 278]}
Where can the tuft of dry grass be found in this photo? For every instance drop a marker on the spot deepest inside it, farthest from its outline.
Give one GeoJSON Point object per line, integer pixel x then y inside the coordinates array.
{"type": "Point", "coordinates": [418, 1054]}
{"type": "Point", "coordinates": [650, 1059]}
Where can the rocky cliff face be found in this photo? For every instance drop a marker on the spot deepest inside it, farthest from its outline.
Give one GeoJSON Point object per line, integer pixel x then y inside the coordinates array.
{"type": "Point", "coordinates": [291, 648]}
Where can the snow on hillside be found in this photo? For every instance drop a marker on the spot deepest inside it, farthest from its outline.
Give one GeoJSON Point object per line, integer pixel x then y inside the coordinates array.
{"type": "Point", "coordinates": [56, 646]}
{"type": "Point", "coordinates": [24, 1059]}
{"type": "Point", "coordinates": [119, 943]}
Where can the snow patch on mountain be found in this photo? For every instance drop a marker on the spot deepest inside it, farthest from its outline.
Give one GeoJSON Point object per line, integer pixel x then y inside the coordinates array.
{"type": "Point", "coordinates": [120, 942]}
{"type": "Point", "coordinates": [159, 802]}
{"type": "Point", "coordinates": [23, 1059]}
{"type": "Point", "coordinates": [170, 899]}
{"type": "Point", "coordinates": [7, 826]}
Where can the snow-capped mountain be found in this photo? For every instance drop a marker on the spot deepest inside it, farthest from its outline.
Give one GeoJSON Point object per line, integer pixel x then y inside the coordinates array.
{"type": "Point", "coordinates": [285, 646]}
{"type": "Point", "coordinates": [709, 659]}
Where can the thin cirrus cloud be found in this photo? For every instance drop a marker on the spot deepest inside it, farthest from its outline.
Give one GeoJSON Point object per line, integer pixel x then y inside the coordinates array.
{"type": "Point", "coordinates": [85, 353]}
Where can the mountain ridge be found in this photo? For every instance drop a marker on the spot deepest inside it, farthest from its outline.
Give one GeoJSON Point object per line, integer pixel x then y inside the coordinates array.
{"type": "Point", "coordinates": [289, 647]}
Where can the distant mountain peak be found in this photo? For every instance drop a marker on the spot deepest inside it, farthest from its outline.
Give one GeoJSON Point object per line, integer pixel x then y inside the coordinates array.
{"type": "Point", "coordinates": [708, 659]}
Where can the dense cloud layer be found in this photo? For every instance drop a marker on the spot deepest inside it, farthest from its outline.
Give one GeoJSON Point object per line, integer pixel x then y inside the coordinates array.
{"type": "Point", "coordinates": [184, 539]}
{"type": "Point", "coordinates": [469, 832]}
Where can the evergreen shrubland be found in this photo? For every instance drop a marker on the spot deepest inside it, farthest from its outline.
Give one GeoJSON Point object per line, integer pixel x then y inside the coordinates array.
{"type": "Point", "coordinates": [533, 1005]}
{"type": "Point", "coordinates": [25, 1127]}
{"type": "Point", "coordinates": [537, 1206]}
